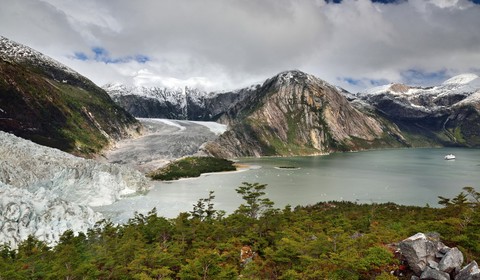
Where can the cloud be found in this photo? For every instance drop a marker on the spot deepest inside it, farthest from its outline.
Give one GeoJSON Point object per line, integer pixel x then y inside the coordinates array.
{"type": "Point", "coordinates": [219, 44]}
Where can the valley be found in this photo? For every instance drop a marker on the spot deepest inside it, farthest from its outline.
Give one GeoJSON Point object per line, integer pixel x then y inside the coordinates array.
{"type": "Point", "coordinates": [164, 140]}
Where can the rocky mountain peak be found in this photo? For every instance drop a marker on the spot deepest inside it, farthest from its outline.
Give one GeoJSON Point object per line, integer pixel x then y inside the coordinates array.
{"type": "Point", "coordinates": [399, 88]}
{"type": "Point", "coordinates": [295, 113]}
{"type": "Point", "coordinates": [294, 76]}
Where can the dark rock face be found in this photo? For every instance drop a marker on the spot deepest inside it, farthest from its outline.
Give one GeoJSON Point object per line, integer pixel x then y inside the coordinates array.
{"type": "Point", "coordinates": [50, 104]}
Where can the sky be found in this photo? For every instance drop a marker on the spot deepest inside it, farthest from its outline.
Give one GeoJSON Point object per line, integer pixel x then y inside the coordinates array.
{"type": "Point", "coordinates": [228, 44]}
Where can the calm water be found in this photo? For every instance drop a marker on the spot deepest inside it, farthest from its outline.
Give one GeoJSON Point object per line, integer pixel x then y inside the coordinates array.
{"type": "Point", "coordinates": [405, 176]}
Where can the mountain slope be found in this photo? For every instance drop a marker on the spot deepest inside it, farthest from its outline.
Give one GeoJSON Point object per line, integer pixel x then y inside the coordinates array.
{"type": "Point", "coordinates": [47, 102]}
{"type": "Point", "coordinates": [447, 114]}
{"type": "Point", "coordinates": [295, 113]}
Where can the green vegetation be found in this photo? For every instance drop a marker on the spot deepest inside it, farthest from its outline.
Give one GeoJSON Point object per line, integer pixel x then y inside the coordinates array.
{"type": "Point", "coordinates": [192, 167]}
{"type": "Point", "coordinates": [58, 109]}
{"type": "Point", "coordinates": [328, 240]}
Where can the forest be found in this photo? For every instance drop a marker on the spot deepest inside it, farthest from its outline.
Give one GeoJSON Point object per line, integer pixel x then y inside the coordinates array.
{"type": "Point", "coordinates": [328, 240]}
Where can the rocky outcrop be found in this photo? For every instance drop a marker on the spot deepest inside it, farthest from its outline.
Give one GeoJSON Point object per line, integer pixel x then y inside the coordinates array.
{"type": "Point", "coordinates": [429, 258]}
{"type": "Point", "coordinates": [52, 105]}
{"type": "Point", "coordinates": [295, 113]}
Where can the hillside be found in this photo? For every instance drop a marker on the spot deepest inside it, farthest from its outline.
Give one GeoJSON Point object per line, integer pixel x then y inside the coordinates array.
{"type": "Point", "coordinates": [295, 113]}
{"type": "Point", "coordinates": [50, 104]}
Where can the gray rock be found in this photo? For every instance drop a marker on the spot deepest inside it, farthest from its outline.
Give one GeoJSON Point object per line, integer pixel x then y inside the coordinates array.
{"type": "Point", "coordinates": [452, 259]}
{"type": "Point", "coordinates": [415, 277]}
{"type": "Point", "coordinates": [469, 272]}
{"type": "Point", "coordinates": [418, 250]}
{"type": "Point", "coordinates": [433, 274]}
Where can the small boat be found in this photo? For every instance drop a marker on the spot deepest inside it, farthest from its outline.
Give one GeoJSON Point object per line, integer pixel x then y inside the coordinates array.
{"type": "Point", "coordinates": [450, 157]}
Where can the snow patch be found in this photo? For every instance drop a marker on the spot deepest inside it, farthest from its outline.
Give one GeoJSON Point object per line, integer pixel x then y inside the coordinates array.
{"type": "Point", "coordinates": [169, 122]}
{"type": "Point", "coordinates": [216, 128]}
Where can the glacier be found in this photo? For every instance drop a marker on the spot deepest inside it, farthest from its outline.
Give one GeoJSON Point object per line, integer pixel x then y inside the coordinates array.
{"type": "Point", "coordinates": [45, 191]}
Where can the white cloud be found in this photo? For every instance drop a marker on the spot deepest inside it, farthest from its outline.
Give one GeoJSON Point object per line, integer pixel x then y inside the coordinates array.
{"type": "Point", "coordinates": [225, 44]}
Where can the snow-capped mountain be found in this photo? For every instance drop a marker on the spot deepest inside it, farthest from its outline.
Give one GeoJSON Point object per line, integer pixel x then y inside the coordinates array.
{"type": "Point", "coordinates": [45, 191]}
{"type": "Point", "coordinates": [447, 114]}
{"type": "Point", "coordinates": [402, 101]}
{"type": "Point", "coordinates": [295, 113]}
{"type": "Point", "coordinates": [175, 103]}
{"type": "Point", "coordinates": [156, 101]}
{"type": "Point", "coordinates": [15, 52]}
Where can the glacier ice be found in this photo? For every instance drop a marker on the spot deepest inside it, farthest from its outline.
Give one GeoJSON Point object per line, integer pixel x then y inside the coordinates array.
{"type": "Point", "coordinates": [45, 191]}
{"type": "Point", "coordinates": [41, 214]}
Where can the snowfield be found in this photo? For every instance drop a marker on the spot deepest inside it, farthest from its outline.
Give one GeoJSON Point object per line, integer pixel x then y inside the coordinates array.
{"type": "Point", "coordinates": [45, 191]}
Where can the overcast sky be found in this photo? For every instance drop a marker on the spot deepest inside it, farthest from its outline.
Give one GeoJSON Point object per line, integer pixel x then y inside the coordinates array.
{"type": "Point", "coordinates": [225, 44]}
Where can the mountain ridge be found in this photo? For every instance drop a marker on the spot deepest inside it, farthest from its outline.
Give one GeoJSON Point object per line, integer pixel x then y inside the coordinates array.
{"type": "Point", "coordinates": [446, 114]}
{"type": "Point", "coordinates": [49, 103]}
{"type": "Point", "coordinates": [410, 116]}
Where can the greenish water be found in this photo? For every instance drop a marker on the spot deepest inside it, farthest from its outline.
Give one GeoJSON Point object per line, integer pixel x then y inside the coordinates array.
{"type": "Point", "coordinates": [404, 176]}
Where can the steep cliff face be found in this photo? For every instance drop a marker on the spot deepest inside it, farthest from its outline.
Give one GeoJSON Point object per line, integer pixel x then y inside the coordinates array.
{"type": "Point", "coordinates": [446, 114]}
{"type": "Point", "coordinates": [295, 113]}
{"type": "Point", "coordinates": [50, 104]}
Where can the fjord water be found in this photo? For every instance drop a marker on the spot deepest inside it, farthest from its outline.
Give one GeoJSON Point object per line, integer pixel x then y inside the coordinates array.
{"type": "Point", "coordinates": [404, 176]}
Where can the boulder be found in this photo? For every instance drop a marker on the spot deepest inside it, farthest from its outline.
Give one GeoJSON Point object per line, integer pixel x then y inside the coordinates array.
{"type": "Point", "coordinates": [469, 272]}
{"type": "Point", "coordinates": [419, 250]}
{"type": "Point", "coordinates": [453, 259]}
{"type": "Point", "coordinates": [433, 274]}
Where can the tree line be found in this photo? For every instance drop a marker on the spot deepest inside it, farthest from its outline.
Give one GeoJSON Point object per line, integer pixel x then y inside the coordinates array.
{"type": "Point", "coordinates": [328, 240]}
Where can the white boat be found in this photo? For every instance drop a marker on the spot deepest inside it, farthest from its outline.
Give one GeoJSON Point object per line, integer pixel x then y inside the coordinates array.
{"type": "Point", "coordinates": [450, 156]}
